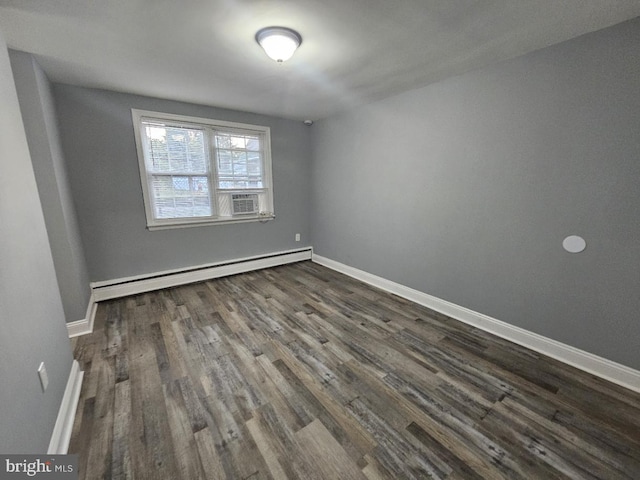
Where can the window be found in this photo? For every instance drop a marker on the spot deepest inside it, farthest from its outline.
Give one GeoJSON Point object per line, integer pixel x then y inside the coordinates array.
{"type": "Point", "coordinates": [196, 171]}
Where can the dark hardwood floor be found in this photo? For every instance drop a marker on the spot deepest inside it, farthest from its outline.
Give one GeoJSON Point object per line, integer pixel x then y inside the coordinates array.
{"type": "Point", "coordinates": [301, 372]}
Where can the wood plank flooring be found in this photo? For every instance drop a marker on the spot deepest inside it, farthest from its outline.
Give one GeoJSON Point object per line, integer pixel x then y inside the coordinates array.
{"type": "Point", "coordinates": [301, 372]}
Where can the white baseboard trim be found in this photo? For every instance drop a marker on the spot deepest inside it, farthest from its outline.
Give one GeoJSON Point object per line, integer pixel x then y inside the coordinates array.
{"type": "Point", "coordinates": [601, 367]}
{"type": "Point", "coordinates": [84, 326]}
{"type": "Point", "coordinates": [171, 278]}
{"type": "Point", "coordinates": [59, 444]}
{"type": "Point", "coordinates": [77, 328]}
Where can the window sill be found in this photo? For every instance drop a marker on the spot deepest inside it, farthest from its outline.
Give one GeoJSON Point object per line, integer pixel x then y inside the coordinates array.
{"type": "Point", "coordinates": [210, 223]}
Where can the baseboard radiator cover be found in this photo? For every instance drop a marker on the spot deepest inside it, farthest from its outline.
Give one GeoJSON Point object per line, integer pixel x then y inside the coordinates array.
{"type": "Point", "coordinates": [588, 362]}
{"type": "Point", "coordinates": [124, 287]}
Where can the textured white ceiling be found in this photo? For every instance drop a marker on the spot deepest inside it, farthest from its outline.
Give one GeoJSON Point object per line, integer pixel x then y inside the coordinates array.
{"type": "Point", "coordinates": [353, 51]}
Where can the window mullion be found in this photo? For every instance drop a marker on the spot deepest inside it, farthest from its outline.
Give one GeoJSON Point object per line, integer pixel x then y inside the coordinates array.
{"type": "Point", "coordinates": [212, 173]}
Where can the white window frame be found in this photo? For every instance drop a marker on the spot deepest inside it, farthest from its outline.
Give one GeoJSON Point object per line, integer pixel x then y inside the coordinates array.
{"type": "Point", "coordinates": [211, 125]}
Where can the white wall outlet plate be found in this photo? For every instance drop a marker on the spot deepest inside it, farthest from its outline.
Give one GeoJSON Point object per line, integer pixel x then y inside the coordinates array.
{"type": "Point", "coordinates": [44, 379]}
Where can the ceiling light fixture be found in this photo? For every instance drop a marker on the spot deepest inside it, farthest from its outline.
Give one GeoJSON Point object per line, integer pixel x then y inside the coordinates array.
{"type": "Point", "coordinates": [279, 43]}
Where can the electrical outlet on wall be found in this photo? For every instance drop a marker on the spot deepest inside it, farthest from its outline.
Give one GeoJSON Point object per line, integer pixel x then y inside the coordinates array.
{"type": "Point", "coordinates": [44, 378]}
{"type": "Point", "coordinates": [297, 237]}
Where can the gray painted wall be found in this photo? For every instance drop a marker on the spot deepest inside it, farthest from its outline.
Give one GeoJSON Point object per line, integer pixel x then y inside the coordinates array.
{"type": "Point", "coordinates": [465, 190]}
{"type": "Point", "coordinates": [38, 113]}
{"type": "Point", "coordinates": [99, 146]}
{"type": "Point", "coordinates": [32, 325]}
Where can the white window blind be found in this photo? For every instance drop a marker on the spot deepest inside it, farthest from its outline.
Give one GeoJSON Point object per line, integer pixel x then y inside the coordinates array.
{"type": "Point", "coordinates": [190, 168]}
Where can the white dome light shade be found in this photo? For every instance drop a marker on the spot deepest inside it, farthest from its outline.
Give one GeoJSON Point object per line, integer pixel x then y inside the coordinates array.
{"type": "Point", "coordinates": [279, 42]}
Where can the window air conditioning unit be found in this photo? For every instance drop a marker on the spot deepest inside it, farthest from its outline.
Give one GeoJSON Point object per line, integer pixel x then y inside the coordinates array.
{"type": "Point", "coordinates": [244, 203]}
